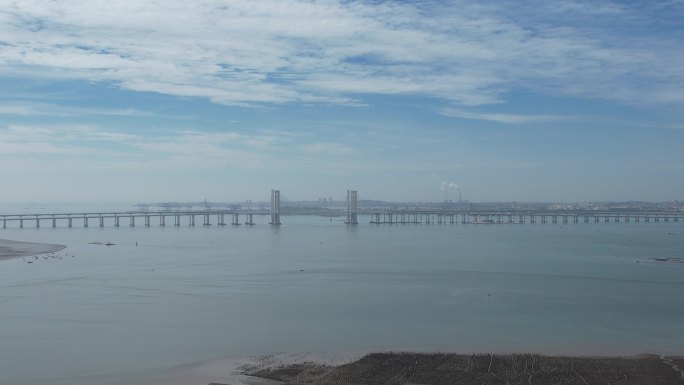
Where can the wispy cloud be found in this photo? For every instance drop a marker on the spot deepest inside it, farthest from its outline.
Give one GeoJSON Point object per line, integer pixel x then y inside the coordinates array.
{"type": "Point", "coordinates": [274, 51]}
{"type": "Point", "coordinates": [504, 118]}
{"type": "Point", "coordinates": [97, 145]}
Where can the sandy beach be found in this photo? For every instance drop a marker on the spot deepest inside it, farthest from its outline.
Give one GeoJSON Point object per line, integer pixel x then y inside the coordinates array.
{"type": "Point", "coordinates": [15, 249]}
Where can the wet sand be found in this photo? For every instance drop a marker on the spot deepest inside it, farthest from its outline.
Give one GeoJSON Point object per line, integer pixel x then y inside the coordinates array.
{"type": "Point", "coordinates": [476, 369]}
{"type": "Point", "coordinates": [15, 249]}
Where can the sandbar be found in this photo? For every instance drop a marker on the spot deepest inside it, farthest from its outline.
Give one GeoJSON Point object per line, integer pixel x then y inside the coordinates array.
{"type": "Point", "coordinates": [477, 369]}
{"type": "Point", "coordinates": [15, 249]}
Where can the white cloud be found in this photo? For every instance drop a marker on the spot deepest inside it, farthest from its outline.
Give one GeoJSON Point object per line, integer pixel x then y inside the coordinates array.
{"type": "Point", "coordinates": [503, 118]}
{"type": "Point", "coordinates": [99, 146]}
{"type": "Point", "coordinates": [327, 148]}
{"type": "Point", "coordinates": [275, 51]}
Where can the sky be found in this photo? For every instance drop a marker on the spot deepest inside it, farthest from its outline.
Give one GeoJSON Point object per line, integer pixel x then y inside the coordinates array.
{"type": "Point", "coordinates": [155, 101]}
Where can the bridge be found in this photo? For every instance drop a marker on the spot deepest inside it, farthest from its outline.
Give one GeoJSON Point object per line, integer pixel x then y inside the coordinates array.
{"type": "Point", "coordinates": [352, 213]}
{"type": "Point", "coordinates": [405, 216]}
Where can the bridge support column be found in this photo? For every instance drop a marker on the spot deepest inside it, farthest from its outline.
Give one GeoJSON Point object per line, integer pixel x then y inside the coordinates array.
{"type": "Point", "coordinates": [85, 221]}
{"type": "Point", "coordinates": [275, 208]}
{"type": "Point", "coordinates": [176, 220]}
{"type": "Point", "coordinates": [4, 223]}
{"type": "Point", "coordinates": [192, 219]}
{"type": "Point", "coordinates": [220, 219]}
{"type": "Point", "coordinates": [132, 221]}
{"type": "Point", "coordinates": [54, 222]}
{"type": "Point", "coordinates": [69, 222]}
{"type": "Point", "coordinates": [116, 221]}
{"type": "Point", "coordinates": [250, 220]}
{"type": "Point", "coordinates": [37, 223]}
{"type": "Point", "coordinates": [21, 223]}
{"type": "Point", "coordinates": [101, 221]}
{"type": "Point", "coordinates": [147, 221]}
{"type": "Point", "coordinates": [352, 207]}
{"type": "Point", "coordinates": [206, 220]}
{"type": "Point", "coordinates": [236, 219]}
{"type": "Point", "coordinates": [162, 220]}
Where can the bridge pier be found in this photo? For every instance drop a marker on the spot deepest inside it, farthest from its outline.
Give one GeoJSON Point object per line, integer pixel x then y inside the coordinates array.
{"type": "Point", "coordinates": [101, 221]}
{"type": "Point", "coordinates": [69, 222]}
{"type": "Point", "coordinates": [54, 222]}
{"type": "Point", "coordinates": [116, 221]}
{"type": "Point", "coordinates": [21, 223]}
{"type": "Point", "coordinates": [352, 207]}
{"type": "Point", "coordinates": [236, 219]}
{"type": "Point", "coordinates": [85, 221]}
{"type": "Point", "coordinates": [192, 219]}
{"type": "Point", "coordinates": [250, 220]}
{"type": "Point", "coordinates": [176, 220]}
{"type": "Point", "coordinates": [37, 222]}
{"type": "Point", "coordinates": [221, 220]}
{"type": "Point", "coordinates": [132, 223]}
{"type": "Point", "coordinates": [275, 208]}
{"type": "Point", "coordinates": [162, 220]}
{"type": "Point", "coordinates": [206, 220]}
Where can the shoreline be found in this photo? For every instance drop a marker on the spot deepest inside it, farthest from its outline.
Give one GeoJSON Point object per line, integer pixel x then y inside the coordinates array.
{"type": "Point", "coordinates": [10, 249]}
{"type": "Point", "coordinates": [467, 369]}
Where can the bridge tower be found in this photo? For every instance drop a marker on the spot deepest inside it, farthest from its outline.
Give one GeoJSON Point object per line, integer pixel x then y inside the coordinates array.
{"type": "Point", "coordinates": [275, 207]}
{"type": "Point", "coordinates": [351, 208]}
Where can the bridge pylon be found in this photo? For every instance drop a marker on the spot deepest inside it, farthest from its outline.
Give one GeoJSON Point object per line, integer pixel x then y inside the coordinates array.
{"type": "Point", "coordinates": [275, 208]}
{"type": "Point", "coordinates": [352, 208]}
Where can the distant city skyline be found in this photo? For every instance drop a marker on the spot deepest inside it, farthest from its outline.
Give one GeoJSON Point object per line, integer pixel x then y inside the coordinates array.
{"type": "Point", "coordinates": [402, 101]}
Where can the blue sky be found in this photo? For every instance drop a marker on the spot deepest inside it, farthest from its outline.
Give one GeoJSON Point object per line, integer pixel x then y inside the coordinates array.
{"type": "Point", "coordinates": [224, 100]}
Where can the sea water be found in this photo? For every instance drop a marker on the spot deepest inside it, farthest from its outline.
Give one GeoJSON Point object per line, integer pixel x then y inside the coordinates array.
{"type": "Point", "coordinates": [161, 297]}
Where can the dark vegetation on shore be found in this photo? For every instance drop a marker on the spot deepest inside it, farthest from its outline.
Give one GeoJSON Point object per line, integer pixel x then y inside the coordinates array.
{"type": "Point", "coordinates": [479, 369]}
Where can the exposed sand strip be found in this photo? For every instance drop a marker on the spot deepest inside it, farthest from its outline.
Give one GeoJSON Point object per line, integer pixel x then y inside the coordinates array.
{"type": "Point", "coordinates": [14, 249]}
{"type": "Point", "coordinates": [476, 369]}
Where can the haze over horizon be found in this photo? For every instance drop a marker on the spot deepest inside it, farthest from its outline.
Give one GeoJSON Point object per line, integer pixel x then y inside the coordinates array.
{"type": "Point", "coordinates": [225, 100]}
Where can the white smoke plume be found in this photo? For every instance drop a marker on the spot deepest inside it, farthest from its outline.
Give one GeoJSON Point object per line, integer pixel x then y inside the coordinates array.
{"type": "Point", "coordinates": [448, 185]}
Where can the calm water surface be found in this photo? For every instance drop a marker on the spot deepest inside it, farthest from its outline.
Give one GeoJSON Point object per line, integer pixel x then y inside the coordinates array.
{"type": "Point", "coordinates": [114, 314]}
